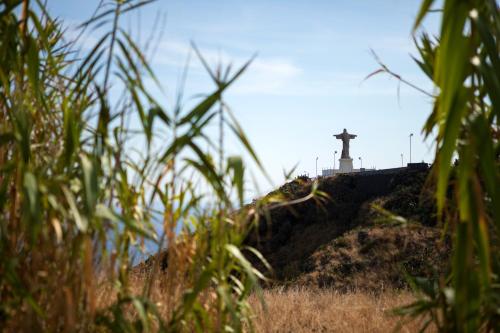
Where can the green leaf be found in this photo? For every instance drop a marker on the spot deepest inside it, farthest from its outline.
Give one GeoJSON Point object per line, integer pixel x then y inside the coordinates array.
{"type": "Point", "coordinates": [71, 131]}
{"type": "Point", "coordinates": [240, 134]}
{"type": "Point", "coordinates": [260, 257]}
{"type": "Point", "coordinates": [81, 222]}
{"type": "Point", "coordinates": [90, 185]}
{"type": "Point", "coordinates": [201, 109]}
{"type": "Point", "coordinates": [22, 132]}
{"type": "Point", "coordinates": [424, 9]}
{"type": "Point", "coordinates": [201, 283]}
{"type": "Point", "coordinates": [210, 175]}
{"type": "Point", "coordinates": [250, 272]}
{"type": "Point", "coordinates": [489, 41]}
{"type": "Point", "coordinates": [228, 302]}
{"type": "Point", "coordinates": [141, 57]}
{"type": "Point", "coordinates": [33, 66]}
{"type": "Point", "coordinates": [492, 84]}
{"type": "Point", "coordinates": [158, 111]}
{"type": "Point", "coordinates": [32, 196]}
{"type": "Point", "coordinates": [141, 311]}
{"type": "Point", "coordinates": [490, 175]}
{"type": "Point", "coordinates": [453, 55]}
{"type": "Point", "coordinates": [235, 164]}
{"type": "Point", "coordinates": [451, 131]}
{"type": "Point", "coordinates": [104, 212]}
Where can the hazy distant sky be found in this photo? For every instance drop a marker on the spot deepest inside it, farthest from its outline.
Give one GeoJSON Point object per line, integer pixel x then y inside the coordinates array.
{"type": "Point", "coordinates": [306, 83]}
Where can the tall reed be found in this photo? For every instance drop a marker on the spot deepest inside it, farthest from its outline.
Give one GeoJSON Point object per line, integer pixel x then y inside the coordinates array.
{"type": "Point", "coordinates": [463, 63]}
{"type": "Point", "coordinates": [89, 160]}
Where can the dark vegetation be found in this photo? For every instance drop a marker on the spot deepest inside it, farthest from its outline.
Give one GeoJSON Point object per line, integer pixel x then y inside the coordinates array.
{"type": "Point", "coordinates": [350, 240]}
{"type": "Point", "coordinates": [368, 234]}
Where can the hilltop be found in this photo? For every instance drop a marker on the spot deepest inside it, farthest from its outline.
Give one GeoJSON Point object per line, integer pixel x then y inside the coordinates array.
{"type": "Point", "coordinates": [373, 227]}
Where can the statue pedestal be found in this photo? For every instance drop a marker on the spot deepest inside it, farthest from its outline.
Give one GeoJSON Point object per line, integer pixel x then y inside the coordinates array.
{"type": "Point", "coordinates": [345, 165]}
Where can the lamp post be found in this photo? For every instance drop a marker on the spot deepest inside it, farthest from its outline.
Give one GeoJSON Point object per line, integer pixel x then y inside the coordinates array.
{"type": "Point", "coordinates": [361, 160]}
{"type": "Point", "coordinates": [402, 164]}
{"type": "Point", "coordinates": [317, 167]}
{"type": "Point", "coordinates": [334, 158]}
{"type": "Point", "coordinates": [411, 134]}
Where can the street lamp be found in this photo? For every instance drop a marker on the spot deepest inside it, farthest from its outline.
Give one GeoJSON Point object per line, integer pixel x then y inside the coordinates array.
{"type": "Point", "coordinates": [334, 158]}
{"type": "Point", "coordinates": [402, 164]}
{"type": "Point", "coordinates": [317, 167]}
{"type": "Point", "coordinates": [361, 160]}
{"type": "Point", "coordinates": [411, 134]}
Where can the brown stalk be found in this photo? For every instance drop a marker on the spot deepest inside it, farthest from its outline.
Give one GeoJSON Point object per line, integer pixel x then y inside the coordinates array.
{"type": "Point", "coordinates": [17, 180]}
{"type": "Point", "coordinates": [24, 17]}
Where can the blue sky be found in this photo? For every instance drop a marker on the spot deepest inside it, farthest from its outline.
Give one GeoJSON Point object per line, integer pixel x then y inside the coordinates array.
{"type": "Point", "coordinates": [306, 83]}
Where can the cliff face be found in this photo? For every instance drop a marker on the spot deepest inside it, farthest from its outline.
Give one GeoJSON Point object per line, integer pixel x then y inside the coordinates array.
{"type": "Point", "coordinates": [350, 241]}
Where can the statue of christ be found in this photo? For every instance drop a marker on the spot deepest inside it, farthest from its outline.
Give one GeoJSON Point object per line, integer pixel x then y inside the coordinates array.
{"type": "Point", "coordinates": [345, 137]}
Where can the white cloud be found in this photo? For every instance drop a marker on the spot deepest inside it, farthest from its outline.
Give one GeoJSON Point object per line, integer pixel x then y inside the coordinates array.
{"type": "Point", "coordinates": [304, 84]}
{"type": "Point", "coordinates": [266, 75]}
{"type": "Point", "coordinates": [281, 76]}
{"type": "Point", "coordinates": [271, 76]}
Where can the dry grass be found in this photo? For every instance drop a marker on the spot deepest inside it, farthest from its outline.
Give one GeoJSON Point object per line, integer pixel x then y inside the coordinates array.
{"type": "Point", "coordinates": [297, 310]}
{"type": "Point", "coordinates": [166, 291]}
{"type": "Point", "coordinates": [306, 310]}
